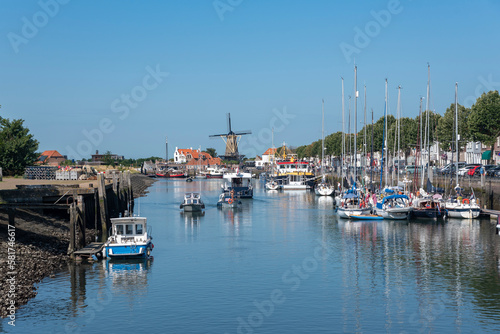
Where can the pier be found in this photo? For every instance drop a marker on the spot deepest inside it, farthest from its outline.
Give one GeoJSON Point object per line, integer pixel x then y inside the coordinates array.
{"type": "Point", "coordinates": [88, 205]}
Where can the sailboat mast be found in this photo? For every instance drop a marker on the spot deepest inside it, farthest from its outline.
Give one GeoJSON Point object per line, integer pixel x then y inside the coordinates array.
{"type": "Point", "coordinates": [322, 134]}
{"type": "Point", "coordinates": [386, 134]}
{"type": "Point", "coordinates": [364, 137]}
{"type": "Point", "coordinates": [350, 137]}
{"type": "Point", "coordinates": [428, 119]}
{"type": "Point", "coordinates": [399, 128]}
{"type": "Point", "coordinates": [371, 160]}
{"type": "Point", "coordinates": [420, 156]}
{"type": "Point", "coordinates": [343, 138]}
{"type": "Point", "coordinates": [383, 139]}
{"type": "Point", "coordinates": [456, 128]}
{"type": "Point", "coordinates": [355, 122]}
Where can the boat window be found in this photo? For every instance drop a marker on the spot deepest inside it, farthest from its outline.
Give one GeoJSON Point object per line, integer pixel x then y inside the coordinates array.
{"type": "Point", "coordinates": [119, 229]}
{"type": "Point", "coordinates": [129, 229]}
{"type": "Point", "coordinates": [138, 229]}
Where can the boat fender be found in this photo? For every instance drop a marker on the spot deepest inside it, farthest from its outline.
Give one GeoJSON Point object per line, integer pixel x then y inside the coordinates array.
{"type": "Point", "coordinates": [465, 200]}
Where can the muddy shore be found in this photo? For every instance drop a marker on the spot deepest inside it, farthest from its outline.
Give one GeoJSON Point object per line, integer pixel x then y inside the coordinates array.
{"type": "Point", "coordinates": [40, 249]}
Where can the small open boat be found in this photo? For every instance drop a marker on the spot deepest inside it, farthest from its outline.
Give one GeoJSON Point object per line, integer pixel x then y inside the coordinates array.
{"type": "Point", "coordinates": [366, 217]}
{"type": "Point", "coordinates": [228, 200]}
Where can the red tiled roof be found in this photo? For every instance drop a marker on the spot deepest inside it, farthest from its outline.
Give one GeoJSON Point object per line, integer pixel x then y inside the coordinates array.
{"type": "Point", "coordinates": [52, 154]}
{"type": "Point", "coordinates": [195, 154]}
{"type": "Point", "coordinates": [270, 151]}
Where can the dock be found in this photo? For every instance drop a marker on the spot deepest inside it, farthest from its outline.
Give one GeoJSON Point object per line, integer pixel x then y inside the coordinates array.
{"type": "Point", "coordinates": [91, 251]}
{"type": "Point", "coordinates": [88, 205]}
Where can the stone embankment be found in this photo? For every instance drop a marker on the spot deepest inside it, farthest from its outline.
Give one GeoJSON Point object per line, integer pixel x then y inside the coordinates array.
{"type": "Point", "coordinates": [40, 249]}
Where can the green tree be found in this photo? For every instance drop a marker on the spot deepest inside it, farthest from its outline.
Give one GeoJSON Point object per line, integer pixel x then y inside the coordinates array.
{"type": "Point", "coordinates": [107, 159]}
{"type": "Point", "coordinates": [17, 146]}
{"type": "Point", "coordinates": [484, 119]}
{"type": "Point", "coordinates": [446, 126]}
{"type": "Point", "coordinates": [211, 151]}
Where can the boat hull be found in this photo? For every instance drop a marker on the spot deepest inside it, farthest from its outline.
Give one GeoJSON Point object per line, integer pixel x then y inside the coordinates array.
{"type": "Point", "coordinates": [193, 207]}
{"type": "Point", "coordinates": [324, 191]}
{"type": "Point", "coordinates": [465, 213]}
{"type": "Point", "coordinates": [427, 213]}
{"type": "Point", "coordinates": [348, 212]}
{"type": "Point", "coordinates": [128, 250]}
{"type": "Point", "coordinates": [366, 217]}
{"type": "Point", "coordinates": [214, 176]}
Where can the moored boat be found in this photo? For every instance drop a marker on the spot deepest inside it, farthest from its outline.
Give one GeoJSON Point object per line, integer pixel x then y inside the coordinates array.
{"type": "Point", "coordinates": [366, 217]}
{"type": "Point", "coordinates": [129, 238]}
{"type": "Point", "coordinates": [394, 207]}
{"type": "Point", "coordinates": [352, 205]}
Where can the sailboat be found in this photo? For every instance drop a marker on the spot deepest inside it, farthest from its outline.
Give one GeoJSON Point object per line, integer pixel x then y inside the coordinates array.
{"type": "Point", "coordinates": [352, 203]}
{"type": "Point", "coordinates": [458, 207]}
{"type": "Point", "coordinates": [394, 205]}
{"type": "Point", "coordinates": [323, 188]}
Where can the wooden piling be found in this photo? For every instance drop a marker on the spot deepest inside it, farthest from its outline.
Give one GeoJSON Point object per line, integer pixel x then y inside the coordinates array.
{"type": "Point", "coordinates": [12, 216]}
{"type": "Point", "coordinates": [103, 207]}
{"type": "Point", "coordinates": [72, 225]}
{"type": "Point", "coordinates": [81, 222]}
{"type": "Point", "coordinates": [1, 175]}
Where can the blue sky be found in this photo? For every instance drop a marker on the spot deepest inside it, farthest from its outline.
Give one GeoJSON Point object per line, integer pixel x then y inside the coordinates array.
{"type": "Point", "coordinates": [123, 75]}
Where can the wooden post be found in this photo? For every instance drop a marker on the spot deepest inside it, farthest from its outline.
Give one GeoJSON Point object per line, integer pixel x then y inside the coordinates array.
{"type": "Point", "coordinates": [130, 194]}
{"type": "Point", "coordinates": [103, 207]}
{"type": "Point", "coordinates": [122, 197]}
{"type": "Point", "coordinates": [116, 202]}
{"type": "Point", "coordinates": [81, 222]}
{"type": "Point", "coordinates": [1, 174]}
{"type": "Point", "coordinates": [12, 216]}
{"type": "Point", "coordinates": [72, 223]}
{"type": "Point", "coordinates": [96, 212]}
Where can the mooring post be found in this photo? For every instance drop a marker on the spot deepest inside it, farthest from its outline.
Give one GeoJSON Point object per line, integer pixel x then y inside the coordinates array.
{"type": "Point", "coordinates": [81, 222]}
{"type": "Point", "coordinates": [121, 190]}
{"type": "Point", "coordinates": [103, 208]}
{"type": "Point", "coordinates": [116, 204]}
{"type": "Point", "coordinates": [12, 216]}
{"type": "Point", "coordinates": [131, 193]}
{"type": "Point", "coordinates": [72, 234]}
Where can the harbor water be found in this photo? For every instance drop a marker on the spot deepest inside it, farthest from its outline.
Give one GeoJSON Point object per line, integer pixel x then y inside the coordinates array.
{"type": "Point", "coordinates": [282, 263]}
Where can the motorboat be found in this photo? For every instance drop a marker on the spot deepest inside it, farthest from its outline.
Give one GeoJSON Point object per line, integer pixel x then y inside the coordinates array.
{"type": "Point", "coordinates": [214, 173]}
{"type": "Point", "coordinates": [129, 238]}
{"type": "Point", "coordinates": [228, 200]}
{"type": "Point", "coordinates": [240, 183]}
{"type": "Point", "coordinates": [192, 203]}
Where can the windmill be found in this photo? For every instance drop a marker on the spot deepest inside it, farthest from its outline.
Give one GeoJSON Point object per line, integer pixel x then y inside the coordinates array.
{"type": "Point", "coordinates": [231, 139]}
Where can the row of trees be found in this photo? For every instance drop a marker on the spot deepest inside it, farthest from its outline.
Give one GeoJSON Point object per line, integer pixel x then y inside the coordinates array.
{"type": "Point", "coordinates": [481, 122]}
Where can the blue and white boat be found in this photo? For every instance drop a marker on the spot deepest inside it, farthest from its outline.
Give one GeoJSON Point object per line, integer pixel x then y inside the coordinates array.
{"type": "Point", "coordinates": [394, 207]}
{"type": "Point", "coordinates": [240, 183]}
{"type": "Point", "coordinates": [129, 238]}
{"type": "Point", "coordinates": [352, 205]}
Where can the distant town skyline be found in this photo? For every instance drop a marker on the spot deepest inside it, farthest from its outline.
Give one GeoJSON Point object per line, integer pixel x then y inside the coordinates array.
{"type": "Point", "coordinates": [122, 76]}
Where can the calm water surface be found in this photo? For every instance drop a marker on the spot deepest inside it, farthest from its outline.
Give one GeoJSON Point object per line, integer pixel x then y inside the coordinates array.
{"type": "Point", "coordinates": [283, 263]}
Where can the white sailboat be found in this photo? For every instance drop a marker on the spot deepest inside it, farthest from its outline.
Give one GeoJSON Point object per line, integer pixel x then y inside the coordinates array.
{"type": "Point", "coordinates": [352, 204]}
{"type": "Point", "coordinates": [323, 188]}
{"type": "Point", "coordinates": [458, 207]}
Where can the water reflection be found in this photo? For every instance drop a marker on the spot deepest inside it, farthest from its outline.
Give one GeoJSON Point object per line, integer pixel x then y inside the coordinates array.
{"type": "Point", "coordinates": [444, 261]}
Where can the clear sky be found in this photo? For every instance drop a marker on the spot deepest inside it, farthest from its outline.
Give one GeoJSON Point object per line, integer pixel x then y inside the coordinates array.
{"type": "Point", "coordinates": [123, 75]}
